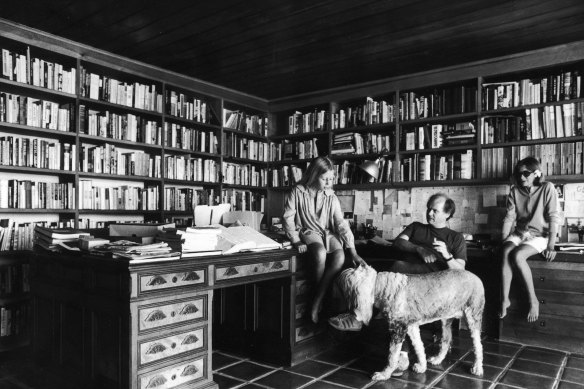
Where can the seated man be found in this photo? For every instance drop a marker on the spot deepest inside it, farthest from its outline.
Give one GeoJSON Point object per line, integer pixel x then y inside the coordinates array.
{"type": "Point", "coordinates": [426, 247]}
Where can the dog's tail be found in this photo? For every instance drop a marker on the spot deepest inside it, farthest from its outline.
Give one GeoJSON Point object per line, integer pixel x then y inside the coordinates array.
{"type": "Point", "coordinates": [358, 286]}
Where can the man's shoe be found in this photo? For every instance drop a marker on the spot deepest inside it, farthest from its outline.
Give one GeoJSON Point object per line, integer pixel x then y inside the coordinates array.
{"type": "Point", "coordinates": [345, 322]}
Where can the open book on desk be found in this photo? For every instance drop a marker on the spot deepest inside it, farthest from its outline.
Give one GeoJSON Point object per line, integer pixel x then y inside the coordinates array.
{"type": "Point", "coordinates": [244, 238]}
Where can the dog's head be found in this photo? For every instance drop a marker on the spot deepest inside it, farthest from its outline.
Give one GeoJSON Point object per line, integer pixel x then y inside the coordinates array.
{"type": "Point", "coordinates": [358, 286]}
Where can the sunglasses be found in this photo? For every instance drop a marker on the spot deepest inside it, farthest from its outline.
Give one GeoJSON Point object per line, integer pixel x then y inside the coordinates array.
{"type": "Point", "coordinates": [524, 173]}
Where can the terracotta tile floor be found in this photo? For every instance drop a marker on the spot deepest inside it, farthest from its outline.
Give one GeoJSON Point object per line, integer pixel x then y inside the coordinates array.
{"type": "Point", "coordinates": [352, 359]}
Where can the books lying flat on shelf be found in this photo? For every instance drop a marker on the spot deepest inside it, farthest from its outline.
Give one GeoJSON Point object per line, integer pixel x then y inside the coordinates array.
{"type": "Point", "coordinates": [60, 233]}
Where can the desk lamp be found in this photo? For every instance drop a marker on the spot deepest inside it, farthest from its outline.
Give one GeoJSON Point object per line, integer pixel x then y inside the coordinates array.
{"type": "Point", "coordinates": [371, 168]}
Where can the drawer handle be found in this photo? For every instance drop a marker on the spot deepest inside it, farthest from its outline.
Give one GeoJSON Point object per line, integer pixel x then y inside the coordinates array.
{"type": "Point", "coordinates": [191, 276]}
{"type": "Point", "coordinates": [277, 265]}
{"type": "Point", "coordinates": [174, 280]}
{"type": "Point", "coordinates": [255, 269]}
{"type": "Point", "coordinates": [156, 348]}
{"type": "Point", "coordinates": [156, 280]}
{"type": "Point", "coordinates": [542, 323]}
{"type": "Point", "coordinates": [231, 271]}
{"type": "Point", "coordinates": [542, 301]}
{"type": "Point", "coordinates": [173, 345]}
{"type": "Point", "coordinates": [173, 377]}
{"type": "Point", "coordinates": [189, 370]}
{"type": "Point", "coordinates": [156, 315]}
{"type": "Point", "coordinates": [189, 309]}
{"type": "Point", "coordinates": [190, 339]}
{"type": "Point", "coordinates": [542, 278]}
{"type": "Point", "coordinates": [156, 381]}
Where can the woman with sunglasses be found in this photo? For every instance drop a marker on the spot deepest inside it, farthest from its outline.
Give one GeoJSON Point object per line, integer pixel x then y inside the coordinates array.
{"type": "Point", "coordinates": [532, 205]}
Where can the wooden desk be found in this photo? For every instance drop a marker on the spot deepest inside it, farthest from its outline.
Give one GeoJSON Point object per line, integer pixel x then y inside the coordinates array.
{"type": "Point", "coordinates": [559, 286]}
{"type": "Point", "coordinates": [110, 324]}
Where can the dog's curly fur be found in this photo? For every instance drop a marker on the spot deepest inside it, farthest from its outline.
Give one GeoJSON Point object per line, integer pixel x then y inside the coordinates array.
{"type": "Point", "coordinates": [410, 300]}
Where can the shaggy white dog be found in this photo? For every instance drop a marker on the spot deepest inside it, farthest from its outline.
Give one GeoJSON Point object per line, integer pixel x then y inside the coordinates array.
{"type": "Point", "coordinates": [410, 300]}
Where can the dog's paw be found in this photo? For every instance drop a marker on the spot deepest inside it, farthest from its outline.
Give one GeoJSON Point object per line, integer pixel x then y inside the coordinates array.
{"type": "Point", "coordinates": [435, 360]}
{"type": "Point", "coordinates": [419, 368]}
{"type": "Point", "coordinates": [380, 376]}
{"type": "Point", "coordinates": [477, 370]}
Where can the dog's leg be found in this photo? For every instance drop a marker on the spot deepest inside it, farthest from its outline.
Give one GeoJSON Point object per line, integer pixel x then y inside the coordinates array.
{"type": "Point", "coordinates": [445, 341]}
{"type": "Point", "coordinates": [414, 334]}
{"type": "Point", "coordinates": [397, 335]}
{"type": "Point", "coordinates": [474, 320]}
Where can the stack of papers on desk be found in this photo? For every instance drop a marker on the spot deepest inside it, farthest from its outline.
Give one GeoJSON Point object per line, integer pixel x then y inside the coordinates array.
{"type": "Point", "coordinates": [245, 238]}
{"type": "Point", "coordinates": [138, 252]}
{"type": "Point", "coordinates": [201, 241]}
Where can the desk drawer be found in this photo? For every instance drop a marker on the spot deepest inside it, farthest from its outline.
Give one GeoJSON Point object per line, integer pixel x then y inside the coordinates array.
{"type": "Point", "coordinates": [173, 376]}
{"type": "Point", "coordinates": [252, 269]}
{"type": "Point", "coordinates": [172, 345]}
{"type": "Point", "coordinates": [550, 303]}
{"type": "Point", "coordinates": [169, 313]}
{"type": "Point", "coordinates": [564, 333]}
{"type": "Point", "coordinates": [148, 283]}
{"type": "Point", "coordinates": [558, 276]}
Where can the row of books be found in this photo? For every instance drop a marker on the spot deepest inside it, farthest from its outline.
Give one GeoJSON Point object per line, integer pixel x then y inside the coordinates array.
{"type": "Point", "coordinates": [371, 113]}
{"type": "Point", "coordinates": [434, 136]}
{"type": "Point", "coordinates": [287, 150]}
{"type": "Point", "coordinates": [438, 102]}
{"type": "Point", "coordinates": [16, 236]}
{"type": "Point", "coordinates": [241, 121]}
{"type": "Point", "coordinates": [108, 159]}
{"type": "Point", "coordinates": [191, 169]}
{"type": "Point", "coordinates": [538, 90]}
{"type": "Point", "coordinates": [23, 67]}
{"type": "Point", "coordinates": [428, 167]}
{"type": "Point", "coordinates": [301, 123]}
{"type": "Point", "coordinates": [129, 94]}
{"type": "Point", "coordinates": [185, 199]}
{"type": "Point", "coordinates": [243, 200]}
{"type": "Point", "coordinates": [14, 279]}
{"type": "Point", "coordinates": [555, 159]}
{"type": "Point", "coordinates": [125, 126]}
{"type": "Point", "coordinates": [14, 320]}
{"type": "Point", "coordinates": [28, 194]}
{"type": "Point", "coordinates": [124, 197]}
{"type": "Point", "coordinates": [186, 107]}
{"type": "Point", "coordinates": [36, 152]}
{"type": "Point", "coordinates": [238, 174]}
{"type": "Point", "coordinates": [554, 121]}
{"type": "Point", "coordinates": [286, 175]}
{"type": "Point", "coordinates": [242, 147]}
{"type": "Point", "coordinates": [33, 112]}
{"type": "Point", "coordinates": [182, 137]}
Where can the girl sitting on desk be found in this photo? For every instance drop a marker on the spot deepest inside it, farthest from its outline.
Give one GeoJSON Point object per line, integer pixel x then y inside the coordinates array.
{"type": "Point", "coordinates": [533, 205]}
{"type": "Point", "coordinates": [314, 223]}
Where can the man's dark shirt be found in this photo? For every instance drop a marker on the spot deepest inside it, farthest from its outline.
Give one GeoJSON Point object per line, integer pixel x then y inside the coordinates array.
{"type": "Point", "coordinates": [424, 234]}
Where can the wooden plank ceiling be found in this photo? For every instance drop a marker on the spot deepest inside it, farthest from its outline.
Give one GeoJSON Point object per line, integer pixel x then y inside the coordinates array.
{"type": "Point", "coordinates": [278, 48]}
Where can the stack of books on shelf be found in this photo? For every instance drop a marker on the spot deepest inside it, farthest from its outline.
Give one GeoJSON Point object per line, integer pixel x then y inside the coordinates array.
{"type": "Point", "coordinates": [345, 143]}
{"type": "Point", "coordinates": [53, 238]}
{"type": "Point", "coordinates": [459, 134]}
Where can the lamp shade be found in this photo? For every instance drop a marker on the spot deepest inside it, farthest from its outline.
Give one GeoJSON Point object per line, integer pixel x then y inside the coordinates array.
{"type": "Point", "coordinates": [371, 168]}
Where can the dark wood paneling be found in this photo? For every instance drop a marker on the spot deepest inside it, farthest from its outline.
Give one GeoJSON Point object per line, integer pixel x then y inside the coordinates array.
{"type": "Point", "coordinates": [274, 49]}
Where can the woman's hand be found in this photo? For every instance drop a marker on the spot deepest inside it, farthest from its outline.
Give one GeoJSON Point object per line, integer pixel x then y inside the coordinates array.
{"type": "Point", "coordinates": [549, 254]}
{"type": "Point", "coordinates": [357, 260]}
{"type": "Point", "coordinates": [301, 247]}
